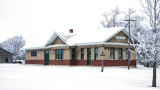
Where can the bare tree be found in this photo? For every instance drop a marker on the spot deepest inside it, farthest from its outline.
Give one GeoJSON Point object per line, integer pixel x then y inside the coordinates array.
{"type": "Point", "coordinates": [115, 14]}
{"type": "Point", "coordinates": [106, 23]}
{"type": "Point", "coordinates": [111, 18]}
{"type": "Point", "coordinates": [129, 15]}
{"type": "Point", "coordinates": [152, 10]}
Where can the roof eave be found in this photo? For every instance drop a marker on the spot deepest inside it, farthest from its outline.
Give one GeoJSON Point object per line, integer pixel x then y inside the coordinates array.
{"type": "Point", "coordinates": [45, 47]}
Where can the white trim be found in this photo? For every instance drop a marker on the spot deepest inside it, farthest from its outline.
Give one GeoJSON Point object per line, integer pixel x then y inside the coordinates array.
{"type": "Point", "coordinates": [81, 44]}
{"type": "Point", "coordinates": [47, 47]}
{"type": "Point", "coordinates": [100, 43]}
{"type": "Point", "coordinates": [53, 37]}
{"type": "Point", "coordinates": [61, 38]}
{"type": "Point", "coordinates": [58, 34]}
{"type": "Point", "coordinates": [113, 35]}
{"type": "Point", "coordinates": [125, 31]}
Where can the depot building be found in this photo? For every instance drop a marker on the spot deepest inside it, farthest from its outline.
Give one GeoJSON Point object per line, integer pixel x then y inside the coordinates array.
{"type": "Point", "coordinates": [85, 48]}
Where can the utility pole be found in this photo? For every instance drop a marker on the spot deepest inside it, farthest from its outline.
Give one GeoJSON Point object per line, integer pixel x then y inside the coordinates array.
{"type": "Point", "coordinates": [129, 20]}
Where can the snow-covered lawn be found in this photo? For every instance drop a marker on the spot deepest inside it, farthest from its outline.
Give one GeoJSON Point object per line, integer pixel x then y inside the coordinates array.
{"type": "Point", "coordinates": [39, 77]}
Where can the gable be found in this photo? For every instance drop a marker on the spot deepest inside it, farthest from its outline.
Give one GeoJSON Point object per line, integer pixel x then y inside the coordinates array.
{"type": "Point", "coordinates": [120, 37]}
{"type": "Point", "coordinates": [57, 41]}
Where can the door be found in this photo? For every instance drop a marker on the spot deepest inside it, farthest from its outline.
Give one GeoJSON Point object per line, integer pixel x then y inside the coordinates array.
{"type": "Point", "coordinates": [88, 56]}
{"type": "Point", "coordinates": [6, 59]}
{"type": "Point", "coordinates": [46, 57]}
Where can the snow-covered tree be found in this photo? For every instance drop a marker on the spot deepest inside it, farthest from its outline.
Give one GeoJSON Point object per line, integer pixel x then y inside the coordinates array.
{"type": "Point", "coordinates": [150, 40]}
{"type": "Point", "coordinates": [145, 52]}
{"type": "Point", "coordinates": [116, 18]}
{"type": "Point", "coordinates": [14, 44]}
{"type": "Point", "coordinates": [20, 56]}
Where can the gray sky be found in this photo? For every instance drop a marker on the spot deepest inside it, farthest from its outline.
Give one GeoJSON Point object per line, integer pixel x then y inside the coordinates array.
{"type": "Point", "coordinates": [36, 20]}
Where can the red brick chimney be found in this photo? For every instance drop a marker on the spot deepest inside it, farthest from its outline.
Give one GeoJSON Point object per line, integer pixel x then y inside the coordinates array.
{"type": "Point", "coordinates": [70, 30]}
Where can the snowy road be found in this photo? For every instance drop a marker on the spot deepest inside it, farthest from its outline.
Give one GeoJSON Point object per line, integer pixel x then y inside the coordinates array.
{"type": "Point", "coordinates": [39, 77]}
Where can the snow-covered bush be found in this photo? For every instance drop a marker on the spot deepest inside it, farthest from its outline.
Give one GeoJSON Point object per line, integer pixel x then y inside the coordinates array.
{"type": "Point", "coordinates": [145, 50]}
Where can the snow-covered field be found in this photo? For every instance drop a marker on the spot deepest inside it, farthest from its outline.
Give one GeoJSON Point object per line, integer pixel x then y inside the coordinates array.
{"type": "Point", "coordinates": [39, 77]}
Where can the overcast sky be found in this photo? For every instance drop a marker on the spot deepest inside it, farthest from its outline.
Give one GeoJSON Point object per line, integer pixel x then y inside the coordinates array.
{"type": "Point", "coordinates": [36, 20]}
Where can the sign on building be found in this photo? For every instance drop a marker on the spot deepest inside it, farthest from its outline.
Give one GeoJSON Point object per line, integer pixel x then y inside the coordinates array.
{"type": "Point", "coordinates": [120, 37]}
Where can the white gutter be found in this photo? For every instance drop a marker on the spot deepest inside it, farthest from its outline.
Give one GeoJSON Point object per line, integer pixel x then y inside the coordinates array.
{"type": "Point", "coordinates": [47, 47]}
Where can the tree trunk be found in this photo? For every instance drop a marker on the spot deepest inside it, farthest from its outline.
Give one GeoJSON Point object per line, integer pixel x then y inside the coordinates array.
{"type": "Point", "coordinates": [155, 45]}
{"type": "Point", "coordinates": [154, 75]}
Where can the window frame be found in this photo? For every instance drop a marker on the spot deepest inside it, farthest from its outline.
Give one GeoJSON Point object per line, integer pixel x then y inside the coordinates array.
{"type": "Point", "coordinates": [73, 54]}
{"type": "Point", "coordinates": [113, 49]}
{"type": "Point", "coordinates": [120, 53]}
{"type": "Point", "coordinates": [59, 54]}
{"type": "Point", "coordinates": [127, 53]}
{"type": "Point", "coordinates": [82, 54]}
{"type": "Point", "coordinates": [96, 53]}
{"type": "Point", "coordinates": [33, 53]}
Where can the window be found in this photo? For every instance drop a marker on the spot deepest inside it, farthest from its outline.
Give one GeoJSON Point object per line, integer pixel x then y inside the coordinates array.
{"type": "Point", "coordinates": [88, 55]}
{"type": "Point", "coordinates": [33, 53]}
{"type": "Point", "coordinates": [59, 54]}
{"type": "Point", "coordinates": [112, 53]}
{"type": "Point", "coordinates": [73, 54]}
{"type": "Point", "coordinates": [82, 53]}
{"type": "Point", "coordinates": [127, 54]}
{"type": "Point", "coordinates": [120, 53]}
{"type": "Point", "coordinates": [96, 53]}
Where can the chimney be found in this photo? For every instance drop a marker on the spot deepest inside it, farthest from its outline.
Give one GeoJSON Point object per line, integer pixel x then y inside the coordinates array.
{"type": "Point", "coordinates": [70, 30]}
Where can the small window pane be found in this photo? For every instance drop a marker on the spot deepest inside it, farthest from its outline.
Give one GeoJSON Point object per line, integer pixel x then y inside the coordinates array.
{"type": "Point", "coordinates": [73, 54]}
{"type": "Point", "coordinates": [127, 54]}
{"type": "Point", "coordinates": [33, 53]}
{"type": "Point", "coordinates": [96, 53]}
{"type": "Point", "coordinates": [59, 54]}
{"type": "Point", "coordinates": [112, 53]}
{"type": "Point", "coordinates": [62, 51]}
{"type": "Point", "coordinates": [119, 53]}
{"type": "Point", "coordinates": [59, 51]}
{"type": "Point", "coordinates": [56, 51]}
{"type": "Point", "coordinates": [82, 53]}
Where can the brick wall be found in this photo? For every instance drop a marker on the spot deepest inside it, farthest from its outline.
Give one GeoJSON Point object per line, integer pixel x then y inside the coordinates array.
{"type": "Point", "coordinates": [34, 61]}
{"type": "Point", "coordinates": [84, 62]}
{"type": "Point", "coordinates": [113, 63]}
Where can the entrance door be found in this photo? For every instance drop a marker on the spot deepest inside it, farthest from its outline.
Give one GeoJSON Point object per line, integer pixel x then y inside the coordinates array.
{"type": "Point", "coordinates": [88, 56]}
{"type": "Point", "coordinates": [6, 59]}
{"type": "Point", "coordinates": [46, 57]}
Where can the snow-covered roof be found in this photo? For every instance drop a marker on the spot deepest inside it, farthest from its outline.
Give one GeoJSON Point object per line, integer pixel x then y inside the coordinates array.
{"type": "Point", "coordinates": [63, 36]}
{"type": "Point", "coordinates": [97, 36]}
{"type": "Point", "coordinates": [94, 37]}
{"type": "Point", "coordinates": [6, 50]}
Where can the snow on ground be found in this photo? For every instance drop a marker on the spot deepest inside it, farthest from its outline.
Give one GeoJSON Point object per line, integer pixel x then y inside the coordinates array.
{"type": "Point", "coordinates": [39, 77]}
